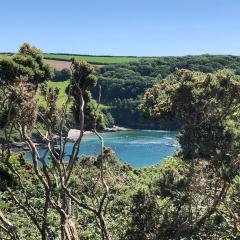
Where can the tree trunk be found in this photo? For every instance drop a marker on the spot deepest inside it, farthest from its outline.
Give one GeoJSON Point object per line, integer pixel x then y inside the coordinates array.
{"type": "Point", "coordinates": [104, 230]}
{"type": "Point", "coordinates": [69, 230]}
{"type": "Point", "coordinates": [9, 227]}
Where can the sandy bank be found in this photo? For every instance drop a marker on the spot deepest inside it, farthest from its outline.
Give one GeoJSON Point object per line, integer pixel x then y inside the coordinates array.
{"type": "Point", "coordinates": [73, 134]}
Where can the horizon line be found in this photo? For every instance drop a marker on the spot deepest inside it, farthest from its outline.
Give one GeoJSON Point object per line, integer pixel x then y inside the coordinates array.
{"type": "Point", "coordinates": [132, 56]}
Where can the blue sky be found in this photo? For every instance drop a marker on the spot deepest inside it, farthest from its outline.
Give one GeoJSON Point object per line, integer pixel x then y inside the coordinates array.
{"type": "Point", "coordinates": [122, 27]}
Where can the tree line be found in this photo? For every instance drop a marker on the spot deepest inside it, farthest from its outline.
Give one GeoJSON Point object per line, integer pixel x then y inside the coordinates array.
{"type": "Point", "coordinates": [126, 83]}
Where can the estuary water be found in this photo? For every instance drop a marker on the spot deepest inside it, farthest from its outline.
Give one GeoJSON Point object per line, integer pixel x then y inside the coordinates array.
{"type": "Point", "coordinates": [138, 148]}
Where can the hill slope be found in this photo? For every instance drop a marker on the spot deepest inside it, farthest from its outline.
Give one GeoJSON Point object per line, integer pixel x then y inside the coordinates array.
{"type": "Point", "coordinates": [95, 59]}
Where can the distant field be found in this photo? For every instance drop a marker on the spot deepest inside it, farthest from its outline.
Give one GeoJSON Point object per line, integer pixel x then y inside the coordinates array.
{"type": "Point", "coordinates": [59, 65]}
{"type": "Point", "coordinates": [99, 60]}
{"type": "Point", "coordinates": [95, 59]}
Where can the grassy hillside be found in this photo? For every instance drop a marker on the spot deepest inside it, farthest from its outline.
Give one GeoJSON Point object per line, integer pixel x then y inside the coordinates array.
{"type": "Point", "coordinates": [102, 60]}
{"type": "Point", "coordinates": [62, 95]}
{"type": "Point", "coordinates": [94, 59]}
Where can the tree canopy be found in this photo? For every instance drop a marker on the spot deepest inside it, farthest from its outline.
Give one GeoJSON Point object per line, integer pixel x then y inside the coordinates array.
{"type": "Point", "coordinates": [207, 107]}
{"type": "Point", "coordinates": [28, 62]}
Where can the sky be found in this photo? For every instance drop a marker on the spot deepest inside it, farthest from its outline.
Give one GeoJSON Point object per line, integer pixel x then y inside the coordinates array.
{"type": "Point", "coordinates": [122, 27]}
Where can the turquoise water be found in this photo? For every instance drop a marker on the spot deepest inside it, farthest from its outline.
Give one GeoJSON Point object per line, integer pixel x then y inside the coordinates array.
{"type": "Point", "coordinates": [138, 148]}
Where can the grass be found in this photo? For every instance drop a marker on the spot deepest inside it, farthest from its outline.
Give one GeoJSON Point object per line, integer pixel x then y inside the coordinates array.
{"type": "Point", "coordinates": [95, 59]}
{"type": "Point", "coordinates": [62, 95]}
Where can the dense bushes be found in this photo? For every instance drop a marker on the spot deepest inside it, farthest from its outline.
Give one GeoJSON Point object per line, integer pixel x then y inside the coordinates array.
{"type": "Point", "coordinates": [127, 82]}
{"type": "Point", "coordinates": [207, 105]}
{"type": "Point", "coordinates": [167, 202]}
{"type": "Point", "coordinates": [62, 75]}
{"type": "Point", "coordinates": [131, 79]}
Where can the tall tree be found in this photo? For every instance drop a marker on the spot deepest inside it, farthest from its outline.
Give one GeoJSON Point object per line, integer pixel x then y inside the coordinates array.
{"type": "Point", "coordinates": [27, 62]}
{"type": "Point", "coordinates": [83, 76]}
{"type": "Point", "coordinates": [20, 111]}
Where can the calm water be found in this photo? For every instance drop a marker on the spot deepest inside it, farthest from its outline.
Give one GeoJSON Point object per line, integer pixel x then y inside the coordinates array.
{"type": "Point", "coordinates": [138, 148]}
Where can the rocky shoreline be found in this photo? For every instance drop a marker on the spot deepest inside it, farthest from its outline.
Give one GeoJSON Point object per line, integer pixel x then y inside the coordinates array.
{"type": "Point", "coordinates": [23, 147]}
{"type": "Point", "coordinates": [72, 136]}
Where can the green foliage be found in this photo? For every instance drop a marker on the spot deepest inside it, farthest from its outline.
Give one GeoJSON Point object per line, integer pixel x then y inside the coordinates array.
{"type": "Point", "coordinates": [83, 78]}
{"type": "Point", "coordinates": [83, 75]}
{"type": "Point", "coordinates": [62, 75]}
{"type": "Point", "coordinates": [92, 113]}
{"type": "Point", "coordinates": [145, 216]}
{"type": "Point", "coordinates": [7, 176]}
{"type": "Point", "coordinates": [126, 107]}
{"type": "Point", "coordinates": [51, 111]}
{"type": "Point", "coordinates": [129, 81]}
{"type": "Point", "coordinates": [20, 75]}
{"type": "Point", "coordinates": [174, 178]}
{"type": "Point", "coordinates": [62, 97]}
{"type": "Point", "coordinates": [118, 81]}
{"type": "Point", "coordinates": [27, 62]}
{"type": "Point", "coordinates": [207, 106]}
{"type": "Point", "coordinates": [163, 204]}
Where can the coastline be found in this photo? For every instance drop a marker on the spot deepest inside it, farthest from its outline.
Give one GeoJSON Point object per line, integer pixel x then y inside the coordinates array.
{"type": "Point", "coordinates": [72, 136]}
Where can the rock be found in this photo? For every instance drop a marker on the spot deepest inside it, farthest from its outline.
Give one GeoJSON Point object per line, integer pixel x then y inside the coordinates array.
{"type": "Point", "coordinates": [73, 134]}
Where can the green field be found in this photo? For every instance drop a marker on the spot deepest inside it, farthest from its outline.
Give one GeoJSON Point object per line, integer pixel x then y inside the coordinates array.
{"type": "Point", "coordinates": [95, 59]}
{"type": "Point", "coordinates": [62, 95]}
{"type": "Point", "coordinates": [92, 59]}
